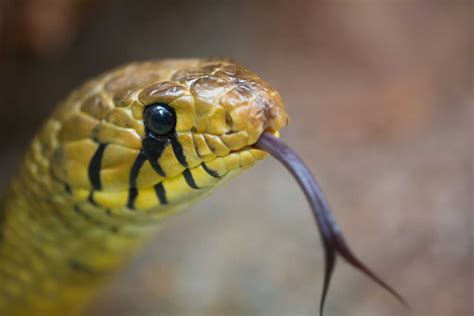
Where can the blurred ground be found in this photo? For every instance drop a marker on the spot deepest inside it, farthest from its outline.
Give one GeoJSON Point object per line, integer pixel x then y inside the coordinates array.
{"type": "Point", "coordinates": [381, 99]}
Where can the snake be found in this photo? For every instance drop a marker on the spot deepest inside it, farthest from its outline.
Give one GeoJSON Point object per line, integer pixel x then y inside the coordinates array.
{"type": "Point", "coordinates": [119, 155]}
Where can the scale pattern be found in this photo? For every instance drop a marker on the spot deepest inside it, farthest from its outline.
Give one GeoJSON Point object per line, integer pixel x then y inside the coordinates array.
{"type": "Point", "coordinates": [90, 191]}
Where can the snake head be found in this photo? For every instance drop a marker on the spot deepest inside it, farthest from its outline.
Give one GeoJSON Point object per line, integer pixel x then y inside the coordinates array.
{"type": "Point", "coordinates": [147, 139]}
{"type": "Point", "coordinates": [109, 155]}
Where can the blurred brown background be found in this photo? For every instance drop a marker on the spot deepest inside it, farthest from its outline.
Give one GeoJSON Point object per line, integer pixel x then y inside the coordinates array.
{"type": "Point", "coordinates": [381, 99]}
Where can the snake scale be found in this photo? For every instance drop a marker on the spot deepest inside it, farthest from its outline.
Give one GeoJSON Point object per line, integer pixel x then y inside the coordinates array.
{"type": "Point", "coordinates": [120, 154]}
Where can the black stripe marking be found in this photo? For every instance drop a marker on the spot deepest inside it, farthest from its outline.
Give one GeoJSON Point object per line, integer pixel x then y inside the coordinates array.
{"type": "Point", "coordinates": [132, 196]}
{"type": "Point", "coordinates": [95, 166]}
{"type": "Point", "coordinates": [178, 150]}
{"type": "Point", "coordinates": [153, 147]}
{"type": "Point", "coordinates": [188, 176]}
{"type": "Point", "coordinates": [91, 198]}
{"type": "Point", "coordinates": [133, 192]}
{"type": "Point", "coordinates": [156, 166]}
{"type": "Point", "coordinates": [137, 165]}
{"type": "Point", "coordinates": [161, 193]}
{"type": "Point", "coordinates": [211, 172]}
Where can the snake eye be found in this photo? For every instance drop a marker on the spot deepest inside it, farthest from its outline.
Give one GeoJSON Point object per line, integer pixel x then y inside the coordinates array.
{"type": "Point", "coordinates": [160, 119]}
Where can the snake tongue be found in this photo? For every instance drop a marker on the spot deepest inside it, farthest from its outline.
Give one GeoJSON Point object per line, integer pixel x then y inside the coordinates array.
{"type": "Point", "coordinates": [332, 239]}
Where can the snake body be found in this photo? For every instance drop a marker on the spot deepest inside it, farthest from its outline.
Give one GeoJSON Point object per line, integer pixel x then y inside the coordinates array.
{"type": "Point", "coordinates": [95, 182]}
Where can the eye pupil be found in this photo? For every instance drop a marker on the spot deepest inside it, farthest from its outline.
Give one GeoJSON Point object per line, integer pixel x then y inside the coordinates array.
{"type": "Point", "coordinates": [160, 119]}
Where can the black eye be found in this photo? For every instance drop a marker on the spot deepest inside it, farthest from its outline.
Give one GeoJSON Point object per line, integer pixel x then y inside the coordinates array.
{"type": "Point", "coordinates": [160, 119]}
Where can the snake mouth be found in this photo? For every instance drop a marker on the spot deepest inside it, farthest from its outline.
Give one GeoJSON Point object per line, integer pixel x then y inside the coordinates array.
{"type": "Point", "coordinates": [333, 241]}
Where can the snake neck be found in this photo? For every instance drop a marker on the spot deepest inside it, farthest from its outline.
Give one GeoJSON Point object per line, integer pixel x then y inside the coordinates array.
{"type": "Point", "coordinates": [55, 254]}
{"type": "Point", "coordinates": [57, 250]}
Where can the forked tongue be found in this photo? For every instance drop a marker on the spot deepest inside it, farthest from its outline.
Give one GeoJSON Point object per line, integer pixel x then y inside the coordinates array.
{"type": "Point", "coordinates": [333, 241]}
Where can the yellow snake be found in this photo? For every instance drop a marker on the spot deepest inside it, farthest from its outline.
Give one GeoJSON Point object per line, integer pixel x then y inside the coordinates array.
{"type": "Point", "coordinates": [120, 154]}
